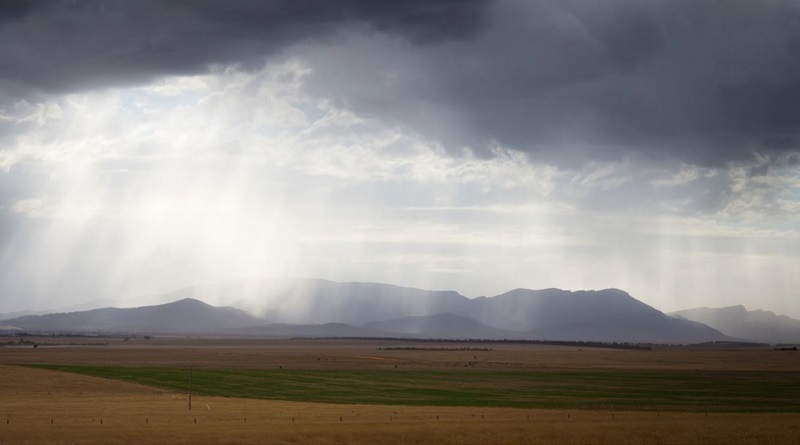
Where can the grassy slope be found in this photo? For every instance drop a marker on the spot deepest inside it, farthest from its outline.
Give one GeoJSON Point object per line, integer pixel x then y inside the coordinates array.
{"type": "Point", "coordinates": [596, 389]}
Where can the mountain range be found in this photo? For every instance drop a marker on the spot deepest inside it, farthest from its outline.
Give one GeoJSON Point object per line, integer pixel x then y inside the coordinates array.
{"type": "Point", "coordinates": [320, 308]}
{"type": "Point", "coordinates": [737, 321]}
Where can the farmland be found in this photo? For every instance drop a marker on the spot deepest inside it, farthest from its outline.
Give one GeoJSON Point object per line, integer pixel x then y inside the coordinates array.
{"type": "Point", "coordinates": [337, 391]}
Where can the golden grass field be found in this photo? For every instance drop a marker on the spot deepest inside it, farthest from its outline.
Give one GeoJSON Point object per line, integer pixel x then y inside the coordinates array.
{"type": "Point", "coordinates": [48, 407]}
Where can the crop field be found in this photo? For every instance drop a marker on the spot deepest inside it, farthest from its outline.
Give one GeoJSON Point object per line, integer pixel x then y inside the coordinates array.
{"type": "Point", "coordinates": [337, 391]}
{"type": "Point", "coordinates": [597, 389]}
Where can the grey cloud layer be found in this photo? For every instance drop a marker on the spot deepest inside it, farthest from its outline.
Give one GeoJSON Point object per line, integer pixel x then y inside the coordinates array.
{"type": "Point", "coordinates": [701, 82]}
{"type": "Point", "coordinates": [567, 81]}
{"type": "Point", "coordinates": [57, 46]}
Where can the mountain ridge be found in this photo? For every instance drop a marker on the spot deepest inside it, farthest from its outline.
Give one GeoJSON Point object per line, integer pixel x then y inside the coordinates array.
{"type": "Point", "coordinates": [187, 315]}
{"type": "Point", "coordinates": [756, 325]}
{"type": "Point", "coordinates": [319, 307]}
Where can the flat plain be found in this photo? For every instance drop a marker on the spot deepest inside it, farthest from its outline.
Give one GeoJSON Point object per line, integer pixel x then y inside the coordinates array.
{"type": "Point", "coordinates": [381, 391]}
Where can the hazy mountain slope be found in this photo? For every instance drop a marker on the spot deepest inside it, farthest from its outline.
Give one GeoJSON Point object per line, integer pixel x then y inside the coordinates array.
{"type": "Point", "coordinates": [606, 315]}
{"type": "Point", "coordinates": [647, 328]}
{"type": "Point", "coordinates": [183, 316]}
{"type": "Point", "coordinates": [524, 309]}
{"type": "Point", "coordinates": [17, 314]}
{"type": "Point", "coordinates": [445, 325]}
{"type": "Point", "coordinates": [316, 301]}
{"type": "Point", "coordinates": [278, 330]}
{"type": "Point", "coordinates": [321, 301]}
{"type": "Point", "coordinates": [737, 321]}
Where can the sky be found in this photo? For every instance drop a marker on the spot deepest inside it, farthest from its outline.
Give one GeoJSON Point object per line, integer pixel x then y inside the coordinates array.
{"type": "Point", "coordinates": [476, 146]}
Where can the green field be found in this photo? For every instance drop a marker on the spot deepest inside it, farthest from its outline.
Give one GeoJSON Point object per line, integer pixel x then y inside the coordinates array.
{"type": "Point", "coordinates": [698, 391]}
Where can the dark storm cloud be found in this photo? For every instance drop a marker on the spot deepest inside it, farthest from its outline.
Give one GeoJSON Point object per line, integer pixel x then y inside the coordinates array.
{"type": "Point", "coordinates": [705, 82]}
{"type": "Point", "coordinates": [56, 46]}
{"type": "Point", "coordinates": [14, 9]}
{"type": "Point", "coordinates": [701, 82]}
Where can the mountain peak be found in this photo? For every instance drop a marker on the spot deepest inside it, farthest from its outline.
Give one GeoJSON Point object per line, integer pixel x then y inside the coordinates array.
{"type": "Point", "coordinates": [188, 302]}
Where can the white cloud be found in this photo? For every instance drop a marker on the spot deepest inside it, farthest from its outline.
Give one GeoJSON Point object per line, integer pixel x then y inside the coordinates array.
{"type": "Point", "coordinates": [31, 208]}
{"type": "Point", "coordinates": [605, 176]}
{"type": "Point", "coordinates": [685, 175]}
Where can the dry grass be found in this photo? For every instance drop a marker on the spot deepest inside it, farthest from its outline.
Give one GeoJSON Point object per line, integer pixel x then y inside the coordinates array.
{"type": "Point", "coordinates": [85, 410]}
{"type": "Point", "coordinates": [47, 407]}
{"type": "Point", "coordinates": [363, 354]}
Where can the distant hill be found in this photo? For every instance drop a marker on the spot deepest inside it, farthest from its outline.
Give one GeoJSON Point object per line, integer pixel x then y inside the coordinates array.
{"type": "Point", "coordinates": [321, 301]}
{"type": "Point", "coordinates": [187, 316]}
{"type": "Point", "coordinates": [737, 321]}
{"type": "Point", "coordinates": [17, 314]}
{"type": "Point", "coordinates": [325, 330]}
{"type": "Point", "coordinates": [444, 326]}
{"type": "Point", "coordinates": [609, 315]}
{"type": "Point", "coordinates": [305, 301]}
{"type": "Point", "coordinates": [647, 328]}
{"type": "Point", "coordinates": [526, 310]}
{"type": "Point", "coordinates": [320, 308]}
